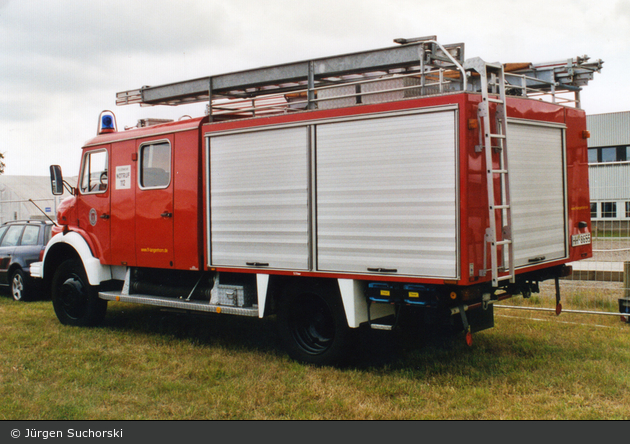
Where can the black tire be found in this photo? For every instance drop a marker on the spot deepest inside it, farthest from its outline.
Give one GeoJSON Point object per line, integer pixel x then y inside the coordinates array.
{"type": "Point", "coordinates": [19, 288]}
{"type": "Point", "coordinates": [312, 325]}
{"type": "Point", "coordinates": [75, 301]}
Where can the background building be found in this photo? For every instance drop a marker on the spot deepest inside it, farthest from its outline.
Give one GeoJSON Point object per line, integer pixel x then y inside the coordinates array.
{"type": "Point", "coordinates": [609, 170]}
{"type": "Point", "coordinates": [21, 195]}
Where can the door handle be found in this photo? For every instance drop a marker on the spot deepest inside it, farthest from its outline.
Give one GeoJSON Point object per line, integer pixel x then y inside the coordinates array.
{"type": "Point", "coordinates": [104, 216]}
{"type": "Point", "coordinates": [166, 214]}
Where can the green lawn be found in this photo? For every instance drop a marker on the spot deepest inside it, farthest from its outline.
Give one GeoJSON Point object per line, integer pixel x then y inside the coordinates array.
{"type": "Point", "coordinates": [147, 364]}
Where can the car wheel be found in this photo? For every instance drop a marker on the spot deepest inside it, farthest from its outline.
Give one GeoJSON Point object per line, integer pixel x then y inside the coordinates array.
{"type": "Point", "coordinates": [75, 301]}
{"type": "Point", "coordinates": [18, 286]}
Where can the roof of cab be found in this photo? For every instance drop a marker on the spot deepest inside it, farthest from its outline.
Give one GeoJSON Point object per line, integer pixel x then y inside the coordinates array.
{"type": "Point", "coordinates": [148, 131]}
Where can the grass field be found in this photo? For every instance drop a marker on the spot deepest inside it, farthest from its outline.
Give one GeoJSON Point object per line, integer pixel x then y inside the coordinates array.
{"type": "Point", "coordinates": [147, 364]}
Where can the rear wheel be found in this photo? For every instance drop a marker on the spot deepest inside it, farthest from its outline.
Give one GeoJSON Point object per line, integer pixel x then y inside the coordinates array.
{"type": "Point", "coordinates": [75, 301]}
{"type": "Point", "coordinates": [18, 286]}
{"type": "Point", "coordinates": [313, 327]}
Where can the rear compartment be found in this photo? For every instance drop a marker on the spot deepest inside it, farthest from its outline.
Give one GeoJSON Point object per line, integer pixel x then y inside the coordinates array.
{"type": "Point", "coordinates": [389, 191]}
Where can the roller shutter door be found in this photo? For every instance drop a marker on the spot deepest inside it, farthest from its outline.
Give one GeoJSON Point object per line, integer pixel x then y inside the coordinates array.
{"type": "Point", "coordinates": [387, 195]}
{"type": "Point", "coordinates": [537, 187]}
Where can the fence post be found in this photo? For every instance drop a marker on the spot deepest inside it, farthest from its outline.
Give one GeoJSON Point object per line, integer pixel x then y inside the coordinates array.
{"type": "Point", "coordinates": [626, 279]}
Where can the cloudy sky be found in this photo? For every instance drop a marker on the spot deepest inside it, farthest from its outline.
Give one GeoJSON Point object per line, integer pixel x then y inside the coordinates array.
{"type": "Point", "coordinates": [63, 61]}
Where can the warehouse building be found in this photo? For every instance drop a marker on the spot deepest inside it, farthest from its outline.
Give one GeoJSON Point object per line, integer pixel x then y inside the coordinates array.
{"type": "Point", "coordinates": [609, 170]}
{"type": "Point", "coordinates": [27, 197]}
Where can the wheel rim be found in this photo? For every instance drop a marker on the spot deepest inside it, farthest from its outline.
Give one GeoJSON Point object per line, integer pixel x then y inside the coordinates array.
{"type": "Point", "coordinates": [312, 324]}
{"type": "Point", "coordinates": [73, 297]}
{"type": "Point", "coordinates": [17, 287]}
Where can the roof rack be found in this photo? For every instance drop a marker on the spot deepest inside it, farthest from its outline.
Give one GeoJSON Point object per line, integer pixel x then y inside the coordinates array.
{"type": "Point", "coordinates": [416, 67]}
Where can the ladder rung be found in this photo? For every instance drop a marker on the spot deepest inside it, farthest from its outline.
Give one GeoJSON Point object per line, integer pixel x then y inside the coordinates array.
{"type": "Point", "coordinates": [499, 207]}
{"type": "Point", "coordinates": [503, 242]}
{"type": "Point", "coordinates": [502, 278]}
{"type": "Point", "coordinates": [497, 136]}
{"type": "Point", "coordinates": [495, 100]}
{"type": "Point", "coordinates": [499, 171]}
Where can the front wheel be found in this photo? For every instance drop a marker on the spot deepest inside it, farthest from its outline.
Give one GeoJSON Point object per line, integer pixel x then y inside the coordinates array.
{"type": "Point", "coordinates": [313, 327]}
{"type": "Point", "coordinates": [75, 301]}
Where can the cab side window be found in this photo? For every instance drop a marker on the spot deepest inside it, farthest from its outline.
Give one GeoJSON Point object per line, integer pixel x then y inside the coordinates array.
{"type": "Point", "coordinates": [155, 165]}
{"type": "Point", "coordinates": [94, 172]}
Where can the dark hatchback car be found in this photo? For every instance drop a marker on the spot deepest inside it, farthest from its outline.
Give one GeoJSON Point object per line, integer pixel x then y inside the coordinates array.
{"type": "Point", "coordinates": [21, 244]}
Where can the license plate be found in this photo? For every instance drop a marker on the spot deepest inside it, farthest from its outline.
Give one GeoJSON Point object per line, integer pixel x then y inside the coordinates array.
{"type": "Point", "coordinates": [580, 239]}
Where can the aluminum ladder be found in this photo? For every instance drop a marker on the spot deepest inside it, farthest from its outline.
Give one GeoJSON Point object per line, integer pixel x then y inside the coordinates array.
{"type": "Point", "coordinates": [498, 235]}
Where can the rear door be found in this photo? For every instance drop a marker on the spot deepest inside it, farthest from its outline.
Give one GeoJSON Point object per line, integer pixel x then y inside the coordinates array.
{"type": "Point", "coordinates": [30, 245]}
{"type": "Point", "coordinates": [8, 244]}
{"type": "Point", "coordinates": [154, 204]}
{"type": "Point", "coordinates": [124, 183]}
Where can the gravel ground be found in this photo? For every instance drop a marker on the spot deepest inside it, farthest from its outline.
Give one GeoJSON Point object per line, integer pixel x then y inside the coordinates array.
{"type": "Point", "coordinates": [611, 249]}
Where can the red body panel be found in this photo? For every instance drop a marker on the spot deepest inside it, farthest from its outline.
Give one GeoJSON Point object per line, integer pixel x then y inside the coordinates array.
{"type": "Point", "coordinates": [188, 207]}
{"type": "Point", "coordinates": [577, 181]}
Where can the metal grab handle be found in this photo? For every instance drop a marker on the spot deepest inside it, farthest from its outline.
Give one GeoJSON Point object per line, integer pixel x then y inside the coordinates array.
{"type": "Point", "coordinates": [257, 264]}
{"type": "Point", "coordinates": [166, 214]}
{"type": "Point", "coordinates": [536, 259]}
{"type": "Point", "coordinates": [383, 270]}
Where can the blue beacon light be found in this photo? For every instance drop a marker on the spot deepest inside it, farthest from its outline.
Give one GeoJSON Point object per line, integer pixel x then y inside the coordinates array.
{"type": "Point", "coordinates": [107, 124]}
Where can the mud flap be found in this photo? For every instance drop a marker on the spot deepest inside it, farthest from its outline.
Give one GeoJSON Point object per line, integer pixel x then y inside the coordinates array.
{"type": "Point", "coordinates": [476, 319]}
{"type": "Point", "coordinates": [481, 319]}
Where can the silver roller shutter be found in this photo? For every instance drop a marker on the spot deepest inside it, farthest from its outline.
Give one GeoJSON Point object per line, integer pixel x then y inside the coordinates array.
{"type": "Point", "coordinates": [537, 192]}
{"type": "Point", "coordinates": [387, 195]}
{"type": "Point", "coordinates": [259, 199]}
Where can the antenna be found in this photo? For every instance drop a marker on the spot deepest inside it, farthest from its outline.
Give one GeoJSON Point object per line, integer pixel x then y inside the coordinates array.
{"type": "Point", "coordinates": [43, 212]}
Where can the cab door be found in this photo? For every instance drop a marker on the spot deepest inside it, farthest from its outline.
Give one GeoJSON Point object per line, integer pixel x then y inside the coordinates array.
{"type": "Point", "coordinates": [154, 204]}
{"type": "Point", "coordinates": [93, 202]}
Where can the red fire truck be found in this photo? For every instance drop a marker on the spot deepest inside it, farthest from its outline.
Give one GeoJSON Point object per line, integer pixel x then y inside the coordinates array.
{"type": "Point", "coordinates": [386, 188]}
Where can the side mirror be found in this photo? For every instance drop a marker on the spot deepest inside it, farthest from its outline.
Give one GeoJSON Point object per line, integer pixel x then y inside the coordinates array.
{"type": "Point", "coordinates": [56, 180]}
